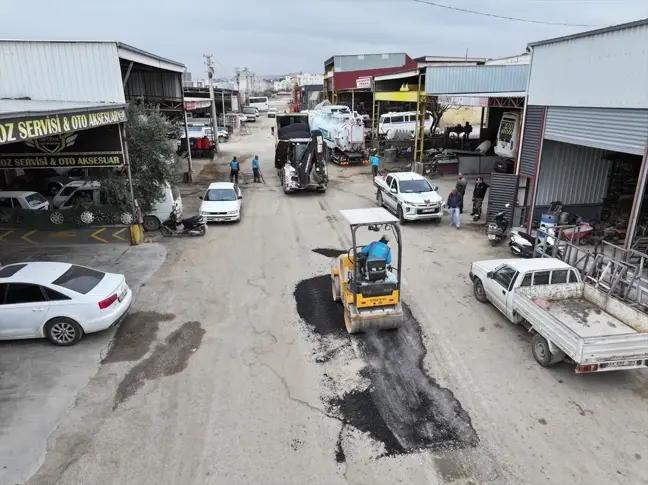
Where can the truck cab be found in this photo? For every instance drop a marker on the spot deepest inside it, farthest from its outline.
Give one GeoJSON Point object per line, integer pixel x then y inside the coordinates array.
{"type": "Point", "coordinates": [495, 280]}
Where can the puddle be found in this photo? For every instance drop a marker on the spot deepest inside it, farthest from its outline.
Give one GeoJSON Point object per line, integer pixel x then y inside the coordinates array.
{"type": "Point", "coordinates": [168, 358]}
{"type": "Point", "coordinates": [403, 408]}
{"type": "Point", "coordinates": [134, 336]}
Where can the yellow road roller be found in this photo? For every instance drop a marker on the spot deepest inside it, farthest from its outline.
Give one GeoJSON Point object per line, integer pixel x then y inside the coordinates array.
{"type": "Point", "coordinates": [364, 279]}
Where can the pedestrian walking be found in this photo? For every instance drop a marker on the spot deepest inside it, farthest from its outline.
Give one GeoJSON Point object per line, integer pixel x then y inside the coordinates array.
{"type": "Point", "coordinates": [256, 168]}
{"type": "Point", "coordinates": [375, 163]}
{"type": "Point", "coordinates": [453, 203]}
{"type": "Point", "coordinates": [461, 189]}
{"type": "Point", "coordinates": [234, 170]}
{"type": "Point", "coordinates": [479, 192]}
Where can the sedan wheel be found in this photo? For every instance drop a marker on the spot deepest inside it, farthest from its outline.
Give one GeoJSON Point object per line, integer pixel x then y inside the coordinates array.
{"type": "Point", "coordinates": [63, 332]}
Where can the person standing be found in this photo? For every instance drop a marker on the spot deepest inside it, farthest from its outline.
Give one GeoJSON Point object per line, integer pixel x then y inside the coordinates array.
{"type": "Point", "coordinates": [479, 192]}
{"type": "Point", "coordinates": [234, 170]}
{"type": "Point", "coordinates": [256, 169]}
{"type": "Point", "coordinates": [453, 203]}
{"type": "Point", "coordinates": [465, 138]}
{"type": "Point", "coordinates": [461, 189]}
{"type": "Point", "coordinates": [375, 162]}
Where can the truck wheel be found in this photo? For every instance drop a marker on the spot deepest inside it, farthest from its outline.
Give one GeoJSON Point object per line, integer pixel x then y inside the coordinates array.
{"type": "Point", "coordinates": [401, 216]}
{"type": "Point", "coordinates": [541, 352]}
{"type": "Point", "coordinates": [379, 199]}
{"type": "Point", "coordinates": [478, 289]}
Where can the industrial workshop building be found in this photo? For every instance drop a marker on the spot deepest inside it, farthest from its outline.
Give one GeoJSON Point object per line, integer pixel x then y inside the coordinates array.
{"type": "Point", "coordinates": [62, 114]}
{"type": "Point", "coordinates": [586, 130]}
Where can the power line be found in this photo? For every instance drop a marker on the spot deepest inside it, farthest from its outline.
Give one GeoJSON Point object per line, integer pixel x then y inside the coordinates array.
{"type": "Point", "coordinates": [465, 10]}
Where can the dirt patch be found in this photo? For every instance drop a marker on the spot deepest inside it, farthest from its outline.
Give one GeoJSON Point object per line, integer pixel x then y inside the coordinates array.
{"type": "Point", "coordinates": [329, 252]}
{"type": "Point", "coordinates": [135, 335]}
{"type": "Point", "coordinates": [403, 408]}
{"type": "Point", "coordinates": [167, 359]}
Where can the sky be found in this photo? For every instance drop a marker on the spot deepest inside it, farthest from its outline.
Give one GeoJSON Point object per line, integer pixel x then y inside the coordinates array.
{"type": "Point", "coordinates": [288, 36]}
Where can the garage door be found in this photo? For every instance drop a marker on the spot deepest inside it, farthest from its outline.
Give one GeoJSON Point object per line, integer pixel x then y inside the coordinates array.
{"type": "Point", "coordinates": [502, 191]}
{"type": "Point", "coordinates": [620, 130]}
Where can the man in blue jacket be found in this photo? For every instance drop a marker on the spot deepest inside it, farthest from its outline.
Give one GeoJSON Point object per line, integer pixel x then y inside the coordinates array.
{"type": "Point", "coordinates": [234, 170]}
{"type": "Point", "coordinates": [454, 204]}
{"type": "Point", "coordinates": [255, 168]}
{"type": "Point", "coordinates": [375, 162]}
{"type": "Point", "coordinates": [378, 250]}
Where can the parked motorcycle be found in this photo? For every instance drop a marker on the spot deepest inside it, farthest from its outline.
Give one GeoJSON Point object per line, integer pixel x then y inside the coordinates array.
{"type": "Point", "coordinates": [522, 245]}
{"type": "Point", "coordinates": [497, 230]}
{"type": "Point", "coordinates": [431, 169]}
{"type": "Point", "coordinates": [191, 226]}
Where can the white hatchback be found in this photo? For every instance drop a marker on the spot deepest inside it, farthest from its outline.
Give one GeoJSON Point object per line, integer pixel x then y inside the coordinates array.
{"type": "Point", "coordinates": [59, 301]}
{"type": "Point", "coordinates": [222, 202]}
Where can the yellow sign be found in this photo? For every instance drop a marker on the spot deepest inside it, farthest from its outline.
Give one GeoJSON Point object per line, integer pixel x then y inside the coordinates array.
{"type": "Point", "coordinates": [29, 128]}
{"type": "Point", "coordinates": [402, 96]}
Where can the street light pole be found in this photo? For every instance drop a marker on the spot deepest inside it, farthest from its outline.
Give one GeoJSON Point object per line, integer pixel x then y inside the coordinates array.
{"type": "Point", "coordinates": [210, 74]}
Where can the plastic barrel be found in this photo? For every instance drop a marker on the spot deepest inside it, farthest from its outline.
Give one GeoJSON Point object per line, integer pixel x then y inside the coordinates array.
{"type": "Point", "coordinates": [547, 222]}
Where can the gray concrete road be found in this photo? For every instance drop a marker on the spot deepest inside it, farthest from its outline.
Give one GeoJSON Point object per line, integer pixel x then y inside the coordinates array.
{"type": "Point", "coordinates": [38, 381]}
{"type": "Point", "coordinates": [241, 372]}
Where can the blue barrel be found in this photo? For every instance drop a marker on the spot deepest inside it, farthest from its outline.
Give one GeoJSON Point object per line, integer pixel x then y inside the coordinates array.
{"type": "Point", "coordinates": [547, 222]}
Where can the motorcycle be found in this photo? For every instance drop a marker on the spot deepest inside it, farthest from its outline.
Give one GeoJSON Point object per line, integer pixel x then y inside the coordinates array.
{"type": "Point", "coordinates": [191, 226]}
{"type": "Point", "coordinates": [522, 245]}
{"type": "Point", "coordinates": [431, 169]}
{"type": "Point", "coordinates": [497, 230]}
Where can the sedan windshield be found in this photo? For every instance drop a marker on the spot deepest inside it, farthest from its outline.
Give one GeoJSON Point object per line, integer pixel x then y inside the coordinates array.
{"type": "Point", "coordinates": [414, 186]}
{"type": "Point", "coordinates": [215, 195]}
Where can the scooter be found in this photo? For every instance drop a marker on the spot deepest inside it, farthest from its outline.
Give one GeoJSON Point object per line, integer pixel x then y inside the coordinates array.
{"type": "Point", "coordinates": [497, 230]}
{"type": "Point", "coordinates": [191, 226]}
{"type": "Point", "coordinates": [522, 245]}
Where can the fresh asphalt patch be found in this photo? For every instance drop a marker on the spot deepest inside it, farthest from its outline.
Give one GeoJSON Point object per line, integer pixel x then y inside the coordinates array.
{"type": "Point", "coordinates": [402, 407]}
{"type": "Point", "coordinates": [329, 252]}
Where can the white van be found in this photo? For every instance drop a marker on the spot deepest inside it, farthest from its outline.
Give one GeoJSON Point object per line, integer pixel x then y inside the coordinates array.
{"type": "Point", "coordinates": [160, 212]}
{"type": "Point", "coordinates": [402, 121]}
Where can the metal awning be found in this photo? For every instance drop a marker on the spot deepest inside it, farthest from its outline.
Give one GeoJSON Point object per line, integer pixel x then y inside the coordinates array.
{"type": "Point", "coordinates": [398, 75]}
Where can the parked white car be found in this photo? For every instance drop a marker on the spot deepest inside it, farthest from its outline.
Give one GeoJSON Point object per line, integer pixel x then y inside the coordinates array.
{"type": "Point", "coordinates": [409, 195]}
{"type": "Point", "coordinates": [272, 113]}
{"type": "Point", "coordinates": [23, 199]}
{"type": "Point", "coordinates": [72, 190]}
{"type": "Point", "coordinates": [59, 301]}
{"type": "Point", "coordinates": [222, 202]}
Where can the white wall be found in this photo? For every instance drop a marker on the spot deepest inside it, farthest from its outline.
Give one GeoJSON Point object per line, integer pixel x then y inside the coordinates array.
{"type": "Point", "coordinates": [607, 70]}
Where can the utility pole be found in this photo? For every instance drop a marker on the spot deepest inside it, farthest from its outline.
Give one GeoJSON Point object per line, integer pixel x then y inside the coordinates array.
{"type": "Point", "coordinates": [209, 66]}
{"type": "Point", "coordinates": [223, 105]}
{"type": "Point", "coordinates": [238, 86]}
{"type": "Point", "coordinates": [246, 71]}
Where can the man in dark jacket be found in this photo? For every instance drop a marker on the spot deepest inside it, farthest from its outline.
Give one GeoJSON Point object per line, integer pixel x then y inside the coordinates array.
{"type": "Point", "coordinates": [479, 192]}
{"type": "Point", "coordinates": [453, 203]}
{"type": "Point", "coordinates": [462, 183]}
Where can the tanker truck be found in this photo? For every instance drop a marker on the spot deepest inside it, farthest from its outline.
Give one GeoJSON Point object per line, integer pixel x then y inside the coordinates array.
{"type": "Point", "coordinates": [342, 132]}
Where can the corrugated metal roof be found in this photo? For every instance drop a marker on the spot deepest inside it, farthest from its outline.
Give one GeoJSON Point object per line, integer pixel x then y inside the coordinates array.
{"type": "Point", "coordinates": [608, 70]}
{"type": "Point", "coordinates": [476, 79]}
{"type": "Point", "coordinates": [589, 33]}
{"type": "Point", "coordinates": [398, 75]}
{"type": "Point", "coordinates": [11, 108]}
{"type": "Point", "coordinates": [61, 71]}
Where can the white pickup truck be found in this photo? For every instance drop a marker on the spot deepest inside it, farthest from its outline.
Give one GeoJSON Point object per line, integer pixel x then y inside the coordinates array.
{"type": "Point", "coordinates": [569, 318]}
{"type": "Point", "coordinates": [409, 195]}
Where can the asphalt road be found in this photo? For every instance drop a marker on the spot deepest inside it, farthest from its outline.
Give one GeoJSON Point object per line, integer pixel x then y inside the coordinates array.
{"type": "Point", "coordinates": [237, 370]}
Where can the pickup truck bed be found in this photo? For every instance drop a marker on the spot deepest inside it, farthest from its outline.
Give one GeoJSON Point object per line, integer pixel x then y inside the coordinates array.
{"type": "Point", "coordinates": [587, 324]}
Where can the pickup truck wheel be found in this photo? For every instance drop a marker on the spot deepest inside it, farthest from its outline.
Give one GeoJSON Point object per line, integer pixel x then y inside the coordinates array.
{"type": "Point", "coordinates": [379, 199]}
{"type": "Point", "coordinates": [401, 215]}
{"type": "Point", "coordinates": [541, 352]}
{"type": "Point", "coordinates": [478, 288]}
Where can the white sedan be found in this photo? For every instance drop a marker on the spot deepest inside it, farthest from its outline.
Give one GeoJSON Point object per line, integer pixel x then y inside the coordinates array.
{"type": "Point", "coordinates": [222, 202]}
{"type": "Point", "coordinates": [59, 301]}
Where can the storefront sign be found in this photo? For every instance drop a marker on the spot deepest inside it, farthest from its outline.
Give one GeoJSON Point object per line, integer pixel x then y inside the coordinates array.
{"type": "Point", "coordinates": [12, 131]}
{"type": "Point", "coordinates": [463, 101]}
{"type": "Point", "coordinates": [100, 147]}
{"type": "Point", "coordinates": [363, 83]}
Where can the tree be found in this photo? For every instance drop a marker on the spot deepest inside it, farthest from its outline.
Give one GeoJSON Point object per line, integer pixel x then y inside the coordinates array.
{"type": "Point", "coordinates": [153, 160]}
{"type": "Point", "coordinates": [437, 111]}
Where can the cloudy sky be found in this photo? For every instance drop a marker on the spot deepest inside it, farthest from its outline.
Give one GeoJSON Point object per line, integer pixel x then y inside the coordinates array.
{"type": "Point", "coordinates": [284, 36]}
